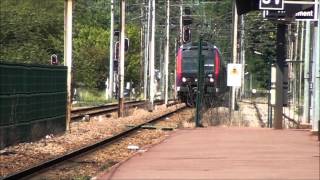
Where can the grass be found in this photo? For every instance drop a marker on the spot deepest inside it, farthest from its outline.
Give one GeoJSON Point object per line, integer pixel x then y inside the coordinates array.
{"type": "Point", "coordinates": [82, 178]}
{"type": "Point", "coordinates": [95, 97]}
{"type": "Point", "coordinates": [108, 164]}
{"type": "Point", "coordinates": [91, 97]}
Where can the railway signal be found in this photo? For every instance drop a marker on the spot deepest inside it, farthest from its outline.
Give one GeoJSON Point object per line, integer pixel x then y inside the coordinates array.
{"type": "Point", "coordinates": [186, 34]}
{"type": "Point", "coordinates": [116, 33]}
{"type": "Point", "coordinates": [115, 66]}
{"type": "Point", "coordinates": [117, 50]}
{"type": "Point", "coordinates": [187, 11]}
{"type": "Point", "coordinates": [54, 59]}
{"type": "Point", "coordinates": [126, 44]}
{"type": "Point", "coordinates": [186, 22]}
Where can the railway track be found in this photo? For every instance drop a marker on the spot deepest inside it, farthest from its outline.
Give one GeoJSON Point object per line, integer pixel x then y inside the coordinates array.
{"type": "Point", "coordinates": [77, 153]}
{"type": "Point", "coordinates": [104, 109]}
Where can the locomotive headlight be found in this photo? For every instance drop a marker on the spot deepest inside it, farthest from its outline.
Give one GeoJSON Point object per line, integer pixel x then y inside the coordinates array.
{"type": "Point", "coordinates": [196, 80]}
{"type": "Point", "coordinates": [184, 79]}
{"type": "Point", "coordinates": [211, 80]}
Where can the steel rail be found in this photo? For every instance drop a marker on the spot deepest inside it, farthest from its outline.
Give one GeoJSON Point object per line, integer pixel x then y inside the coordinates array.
{"type": "Point", "coordinates": [50, 163]}
{"type": "Point", "coordinates": [103, 109]}
{"type": "Point", "coordinates": [79, 113]}
{"type": "Point", "coordinates": [103, 106]}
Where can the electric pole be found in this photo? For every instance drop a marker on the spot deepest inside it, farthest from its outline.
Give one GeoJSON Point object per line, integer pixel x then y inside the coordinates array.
{"type": "Point", "coordinates": [280, 63]}
{"type": "Point", "coordinates": [242, 56]}
{"type": "Point", "coordinates": [300, 64]}
{"type": "Point", "coordinates": [68, 4]}
{"type": "Point", "coordinates": [166, 60]}
{"type": "Point", "coordinates": [181, 23]}
{"type": "Point", "coordinates": [122, 56]}
{"type": "Point", "coordinates": [152, 56]}
{"type": "Point", "coordinates": [200, 89]}
{"type": "Point", "coordinates": [142, 45]}
{"type": "Point", "coordinates": [306, 94]}
{"type": "Point", "coordinates": [294, 65]}
{"type": "Point", "coordinates": [234, 51]}
{"type": "Point", "coordinates": [147, 52]}
{"type": "Point", "coordinates": [316, 77]}
{"type": "Point", "coordinates": [175, 69]}
{"type": "Point", "coordinates": [111, 49]}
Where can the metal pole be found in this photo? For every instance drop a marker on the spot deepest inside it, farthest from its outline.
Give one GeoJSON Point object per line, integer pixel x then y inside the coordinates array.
{"type": "Point", "coordinates": [199, 85]}
{"type": "Point", "coordinates": [290, 65]}
{"type": "Point", "coordinates": [161, 69]}
{"type": "Point", "coordinates": [234, 50]}
{"type": "Point", "coordinates": [181, 22]}
{"type": "Point", "coordinates": [166, 60]}
{"type": "Point", "coordinates": [142, 46]}
{"type": "Point", "coordinates": [316, 76]}
{"type": "Point", "coordinates": [68, 55]}
{"type": "Point", "coordinates": [281, 51]}
{"type": "Point", "coordinates": [175, 68]}
{"type": "Point", "coordinates": [147, 50]}
{"type": "Point", "coordinates": [242, 56]}
{"type": "Point", "coordinates": [250, 82]}
{"type": "Point", "coordinates": [122, 56]}
{"type": "Point", "coordinates": [152, 56]}
{"type": "Point", "coordinates": [294, 65]}
{"type": "Point", "coordinates": [306, 93]}
{"type": "Point", "coordinates": [300, 66]}
{"type": "Point", "coordinates": [111, 50]}
{"type": "Point", "coordinates": [269, 96]}
{"type": "Point", "coordinates": [272, 91]}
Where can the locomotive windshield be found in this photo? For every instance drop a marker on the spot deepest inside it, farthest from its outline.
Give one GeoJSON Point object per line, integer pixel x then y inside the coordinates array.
{"type": "Point", "coordinates": [190, 61]}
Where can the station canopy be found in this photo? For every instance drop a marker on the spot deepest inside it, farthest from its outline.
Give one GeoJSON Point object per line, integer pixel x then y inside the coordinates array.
{"type": "Point", "coordinates": [245, 6]}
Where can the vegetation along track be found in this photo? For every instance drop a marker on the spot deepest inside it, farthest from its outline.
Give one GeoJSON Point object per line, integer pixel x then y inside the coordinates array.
{"type": "Point", "coordinates": [77, 153]}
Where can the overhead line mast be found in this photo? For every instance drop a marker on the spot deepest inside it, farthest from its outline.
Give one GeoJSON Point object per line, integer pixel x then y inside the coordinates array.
{"type": "Point", "coordinates": [147, 52]}
{"type": "Point", "coordinates": [316, 77]}
{"type": "Point", "coordinates": [111, 57]}
{"type": "Point", "coordinates": [122, 56]}
{"type": "Point", "coordinates": [152, 56]}
{"type": "Point", "coordinates": [166, 61]}
{"type": "Point", "coordinates": [234, 51]}
{"type": "Point", "coordinates": [68, 55]}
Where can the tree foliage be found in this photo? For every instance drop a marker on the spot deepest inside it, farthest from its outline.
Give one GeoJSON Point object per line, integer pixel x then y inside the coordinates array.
{"type": "Point", "coordinates": [90, 55]}
{"type": "Point", "coordinates": [31, 30]}
{"type": "Point", "coordinates": [260, 38]}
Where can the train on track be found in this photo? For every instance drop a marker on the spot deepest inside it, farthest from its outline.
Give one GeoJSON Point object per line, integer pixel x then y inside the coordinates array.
{"type": "Point", "coordinates": [215, 74]}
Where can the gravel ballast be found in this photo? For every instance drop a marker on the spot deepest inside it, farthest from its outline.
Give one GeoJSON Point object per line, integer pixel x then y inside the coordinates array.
{"type": "Point", "coordinates": [23, 155]}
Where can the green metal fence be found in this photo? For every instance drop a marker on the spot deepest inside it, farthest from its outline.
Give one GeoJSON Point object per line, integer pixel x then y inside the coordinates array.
{"type": "Point", "coordinates": [32, 101]}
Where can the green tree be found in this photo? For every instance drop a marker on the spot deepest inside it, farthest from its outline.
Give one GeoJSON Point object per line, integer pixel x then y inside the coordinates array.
{"type": "Point", "coordinates": [132, 63]}
{"type": "Point", "coordinates": [260, 37]}
{"type": "Point", "coordinates": [90, 55]}
{"type": "Point", "coordinates": [31, 30]}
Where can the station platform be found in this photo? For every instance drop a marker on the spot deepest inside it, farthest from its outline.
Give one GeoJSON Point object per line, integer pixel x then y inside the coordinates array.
{"type": "Point", "coordinates": [226, 153]}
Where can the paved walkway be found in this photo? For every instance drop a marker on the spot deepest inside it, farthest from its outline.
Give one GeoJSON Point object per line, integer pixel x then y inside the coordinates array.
{"type": "Point", "coordinates": [227, 153]}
